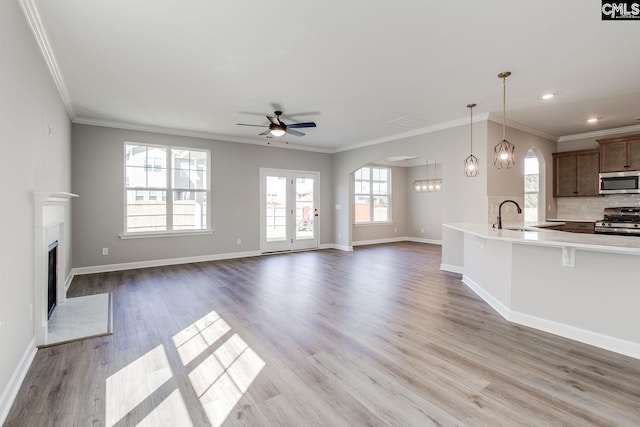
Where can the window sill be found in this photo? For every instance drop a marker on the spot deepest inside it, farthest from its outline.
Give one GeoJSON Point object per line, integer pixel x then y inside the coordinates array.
{"type": "Point", "coordinates": [126, 236]}
{"type": "Point", "coordinates": [369, 224]}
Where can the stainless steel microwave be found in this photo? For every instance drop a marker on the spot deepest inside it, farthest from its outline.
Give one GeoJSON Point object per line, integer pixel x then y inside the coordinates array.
{"type": "Point", "coordinates": [620, 182]}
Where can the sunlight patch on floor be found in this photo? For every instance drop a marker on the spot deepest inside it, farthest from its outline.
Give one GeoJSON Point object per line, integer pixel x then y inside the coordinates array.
{"type": "Point", "coordinates": [223, 378]}
{"type": "Point", "coordinates": [199, 336]}
{"type": "Point", "coordinates": [134, 383]}
{"type": "Point", "coordinates": [219, 381]}
{"type": "Point", "coordinates": [172, 411]}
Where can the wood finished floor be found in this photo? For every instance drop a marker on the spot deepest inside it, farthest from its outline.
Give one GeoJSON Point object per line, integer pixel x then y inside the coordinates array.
{"type": "Point", "coordinates": [378, 336]}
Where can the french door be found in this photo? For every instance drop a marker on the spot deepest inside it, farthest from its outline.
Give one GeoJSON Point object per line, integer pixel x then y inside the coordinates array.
{"type": "Point", "coordinates": [288, 210]}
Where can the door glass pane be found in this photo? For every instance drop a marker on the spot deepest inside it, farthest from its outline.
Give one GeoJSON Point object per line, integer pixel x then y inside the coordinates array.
{"type": "Point", "coordinates": [276, 209]}
{"type": "Point", "coordinates": [305, 214]}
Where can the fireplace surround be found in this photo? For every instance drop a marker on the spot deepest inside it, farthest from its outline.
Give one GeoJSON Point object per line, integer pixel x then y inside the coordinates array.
{"type": "Point", "coordinates": [50, 225]}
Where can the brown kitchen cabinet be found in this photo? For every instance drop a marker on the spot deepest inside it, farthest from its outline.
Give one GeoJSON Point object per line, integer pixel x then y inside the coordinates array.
{"type": "Point", "coordinates": [620, 154]}
{"type": "Point", "coordinates": [575, 173]}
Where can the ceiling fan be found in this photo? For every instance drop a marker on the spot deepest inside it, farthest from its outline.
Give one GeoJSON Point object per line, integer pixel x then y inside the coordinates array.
{"type": "Point", "coordinates": [278, 128]}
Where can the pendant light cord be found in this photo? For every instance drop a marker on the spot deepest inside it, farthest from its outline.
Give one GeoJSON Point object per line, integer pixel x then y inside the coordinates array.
{"type": "Point", "coordinates": [471, 130]}
{"type": "Point", "coordinates": [504, 108]}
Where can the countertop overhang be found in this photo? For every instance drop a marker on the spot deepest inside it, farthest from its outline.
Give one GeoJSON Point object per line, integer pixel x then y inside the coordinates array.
{"type": "Point", "coordinates": [536, 235]}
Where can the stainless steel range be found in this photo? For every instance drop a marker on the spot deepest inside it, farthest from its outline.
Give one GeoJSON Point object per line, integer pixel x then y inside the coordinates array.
{"type": "Point", "coordinates": [625, 220]}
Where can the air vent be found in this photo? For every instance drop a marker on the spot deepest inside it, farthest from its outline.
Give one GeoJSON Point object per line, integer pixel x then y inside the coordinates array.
{"type": "Point", "coordinates": [406, 122]}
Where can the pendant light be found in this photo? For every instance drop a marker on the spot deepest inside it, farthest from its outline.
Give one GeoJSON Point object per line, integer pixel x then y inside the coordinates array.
{"type": "Point", "coordinates": [504, 151]}
{"type": "Point", "coordinates": [422, 185]}
{"type": "Point", "coordinates": [471, 162]}
{"type": "Point", "coordinates": [436, 183]}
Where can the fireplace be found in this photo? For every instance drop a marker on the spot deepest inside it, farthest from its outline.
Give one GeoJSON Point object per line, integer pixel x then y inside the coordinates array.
{"type": "Point", "coordinates": [51, 263]}
{"type": "Point", "coordinates": [52, 287]}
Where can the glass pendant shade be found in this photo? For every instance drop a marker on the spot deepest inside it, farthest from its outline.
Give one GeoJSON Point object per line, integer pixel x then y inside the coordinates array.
{"type": "Point", "coordinates": [503, 152]}
{"type": "Point", "coordinates": [504, 155]}
{"type": "Point", "coordinates": [471, 166]}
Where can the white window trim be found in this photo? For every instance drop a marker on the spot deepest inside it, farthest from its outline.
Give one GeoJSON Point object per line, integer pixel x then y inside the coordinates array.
{"type": "Point", "coordinates": [168, 190]}
{"type": "Point", "coordinates": [389, 219]}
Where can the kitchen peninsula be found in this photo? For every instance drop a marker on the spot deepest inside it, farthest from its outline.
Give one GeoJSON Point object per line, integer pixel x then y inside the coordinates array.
{"type": "Point", "coordinates": [580, 286]}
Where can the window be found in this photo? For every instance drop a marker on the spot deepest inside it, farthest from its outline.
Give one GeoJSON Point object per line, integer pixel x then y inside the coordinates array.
{"type": "Point", "coordinates": [531, 187]}
{"type": "Point", "coordinates": [372, 189]}
{"type": "Point", "coordinates": [166, 188]}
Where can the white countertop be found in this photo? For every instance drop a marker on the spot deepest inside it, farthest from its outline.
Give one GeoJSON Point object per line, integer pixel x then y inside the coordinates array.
{"type": "Point", "coordinates": [539, 236]}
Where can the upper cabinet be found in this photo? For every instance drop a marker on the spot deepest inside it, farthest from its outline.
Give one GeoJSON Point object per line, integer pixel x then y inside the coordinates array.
{"type": "Point", "coordinates": [575, 173]}
{"type": "Point", "coordinates": [620, 154]}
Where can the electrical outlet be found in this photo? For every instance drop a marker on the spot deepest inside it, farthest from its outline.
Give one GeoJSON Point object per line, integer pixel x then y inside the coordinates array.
{"type": "Point", "coordinates": [422, 230]}
{"type": "Point", "coordinates": [395, 229]}
{"type": "Point", "coordinates": [239, 241]}
{"type": "Point", "coordinates": [105, 251]}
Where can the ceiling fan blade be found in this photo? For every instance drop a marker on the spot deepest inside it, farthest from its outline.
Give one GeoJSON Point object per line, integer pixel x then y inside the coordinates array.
{"type": "Point", "coordinates": [258, 126]}
{"type": "Point", "coordinates": [266, 132]}
{"type": "Point", "coordinates": [302, 125]}
{"type": "Point", "coordinates": [274, 120]}
{"type": "Point", "coordinates": [304, 113]}
{"type": "Point", "coordinates": [294, 132]}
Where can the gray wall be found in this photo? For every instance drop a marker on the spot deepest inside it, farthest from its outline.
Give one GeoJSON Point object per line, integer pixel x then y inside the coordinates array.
{"type": "Point", "coordinates": [98, 177]}
{"type": "Point", "coordinates": [398, 225]}
{"type": "Point", "coordinates": [32, 162]}
{"type": "Point", "coordinates": [424, 210]}
{"type": "Point", "coordinates": [464, 199]}
{"type": "Point", "coordinates": [509, 183]}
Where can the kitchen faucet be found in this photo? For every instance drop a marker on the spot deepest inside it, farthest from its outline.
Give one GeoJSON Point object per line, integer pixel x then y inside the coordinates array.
{"type": "Point", "coordinates": [500, 212]}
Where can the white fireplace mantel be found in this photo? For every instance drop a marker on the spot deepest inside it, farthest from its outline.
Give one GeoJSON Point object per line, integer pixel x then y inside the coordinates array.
{"type": "Point", "coordinates": [49, 225]}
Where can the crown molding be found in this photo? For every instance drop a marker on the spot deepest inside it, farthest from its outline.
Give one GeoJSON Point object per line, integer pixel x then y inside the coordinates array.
{"type": "Point", "coordinates": [497, 118]}
{"type": "Point", "coordinates": [37, 28]}
{"type": "Point", "coordinates": [422, 131]}
{"type": "Point", "coordinates": [196, 134]}
{"type": "Point", "coordinates": [600, 133]}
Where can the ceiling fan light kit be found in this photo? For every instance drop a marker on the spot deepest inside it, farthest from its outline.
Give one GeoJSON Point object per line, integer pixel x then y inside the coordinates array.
{"type": "Point", "coordinates": [278, 128]}
{"type": "Point", "coordinates": [504, 151]}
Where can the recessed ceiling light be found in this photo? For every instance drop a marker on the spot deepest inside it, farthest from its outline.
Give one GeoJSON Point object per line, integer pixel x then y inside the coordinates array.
{"type": "Point", "coordinates": [592, 120]}
{"type": "Point", "coordinates": [548, 96]}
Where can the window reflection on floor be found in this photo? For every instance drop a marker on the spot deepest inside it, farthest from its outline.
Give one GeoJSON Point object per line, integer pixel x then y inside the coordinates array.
{"type": "Point", "coordinates": [219, 380]}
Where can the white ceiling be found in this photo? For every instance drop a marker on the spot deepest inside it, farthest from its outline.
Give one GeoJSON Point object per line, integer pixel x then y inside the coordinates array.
{"type": "Point", "coordinates": [201, 66]}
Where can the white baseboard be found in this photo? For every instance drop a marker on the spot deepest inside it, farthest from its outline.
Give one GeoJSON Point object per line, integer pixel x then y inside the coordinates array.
{"type": "Point", "coordinates": [452, 268]}
{"type": "Point", "coordinates": [160, 262]}
{"type": "Point", "coordinates": [67, 282]}
{"type": "Point", "coordinates": [607, 342]}
{"type": "Point", "coordinates": [345, 248]}
{"type": "Point", "coordinates": [596, 339]}
{"type": "Point", "coordinates": [11, 390]}
{"type": "Point", "coordinates": [378, 241]}
{"type": "Point", "coordinates": [421, 240]}
{"type": "Point", "coordinates": [396, 239]}
{"type": "Point", "coordinates": [503, 310]}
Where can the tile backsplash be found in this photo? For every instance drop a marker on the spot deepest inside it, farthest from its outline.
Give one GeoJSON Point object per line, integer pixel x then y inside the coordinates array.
{"type": "Point", "coordinates": [592, 208]}
{"type": "Point", "coordinates": [509, 212]}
